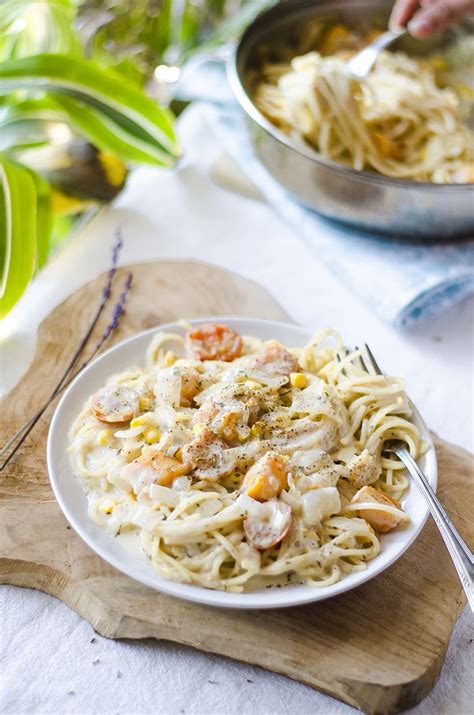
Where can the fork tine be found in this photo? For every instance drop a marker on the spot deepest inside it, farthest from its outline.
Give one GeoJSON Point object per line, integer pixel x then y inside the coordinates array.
{"type": "Point", "coordinates": [361, 360]}
{"type": "Point", "coordinates": [345, 352]}
{"type": "Point", "coordinates": [373, 361]}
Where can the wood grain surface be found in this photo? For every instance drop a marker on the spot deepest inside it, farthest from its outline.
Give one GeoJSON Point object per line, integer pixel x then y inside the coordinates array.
{"type": "Point", "coordinates": [379, 647]}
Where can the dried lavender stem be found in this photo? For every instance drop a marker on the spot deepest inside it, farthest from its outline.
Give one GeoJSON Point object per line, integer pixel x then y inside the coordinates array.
{"type": "Point", "coordinates": [26, 428]}
{"type": "Point", "coordinates": [118, 311]}
{"type": "Point", "coordinates": [113, 325]}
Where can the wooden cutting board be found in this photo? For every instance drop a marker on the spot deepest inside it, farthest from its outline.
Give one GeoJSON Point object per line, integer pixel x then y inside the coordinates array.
{"type": "Point", "coordinates": [379, 647]}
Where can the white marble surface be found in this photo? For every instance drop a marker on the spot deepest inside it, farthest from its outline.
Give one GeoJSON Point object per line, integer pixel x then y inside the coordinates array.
{"type": "Point", "coordinates": [49, 660]}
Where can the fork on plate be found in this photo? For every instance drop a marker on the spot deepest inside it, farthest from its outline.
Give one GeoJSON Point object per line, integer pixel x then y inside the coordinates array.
{"type": "Point", "coordinates": [459, 551]}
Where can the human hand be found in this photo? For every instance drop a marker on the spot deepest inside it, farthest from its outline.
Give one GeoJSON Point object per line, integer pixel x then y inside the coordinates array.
{"type": "Point", "coordinates": [424, 18]}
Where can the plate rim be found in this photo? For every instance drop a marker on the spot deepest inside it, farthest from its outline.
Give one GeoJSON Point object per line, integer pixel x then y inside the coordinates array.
{"type": "Point", "coordinates": [198, 594]}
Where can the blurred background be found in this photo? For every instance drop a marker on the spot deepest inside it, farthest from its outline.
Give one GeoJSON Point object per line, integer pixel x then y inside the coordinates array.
{"type": "Point", "coordinates": [74, 116]}
{"type": "Point", "coordinates": [86, 94]}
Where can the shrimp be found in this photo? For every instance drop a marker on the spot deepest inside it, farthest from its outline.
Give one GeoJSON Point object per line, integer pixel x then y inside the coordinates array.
{"type": "Point", "coordinates": [154, 467]}
{"type": "Point", "coordinates": [190, 385]}
{"type": "Point", "coordinates": [380, 520]}
{"type": "Point", "coordinates": [267, 477]}
{"type": "Point", "coordinates": [205, 456]}
{"type": "Point", "coordinates": [213, 341]}
{"type": "Point", "coordinates": [276, 360]}
{"type": "Point", "coordinates": [115, 403]}
{"type": "Point", "coordinates": [268, 524]}
{"type": "Point", "coordinates": [230, 413]}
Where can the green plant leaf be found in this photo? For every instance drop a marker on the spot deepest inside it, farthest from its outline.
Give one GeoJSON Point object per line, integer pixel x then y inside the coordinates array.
{"type": "Point", "coordinates": [31, 27]}
{"type": "Point", "coordinates": [103, 132]}
{"type": "Point", "coordinates": [30, 123]}
{"type": "Point", "coordinates": [44, 218]}
{"type": "Point", "coordinates": [17, 232]}
{"type": "Point", "coordinates": [137, 119]}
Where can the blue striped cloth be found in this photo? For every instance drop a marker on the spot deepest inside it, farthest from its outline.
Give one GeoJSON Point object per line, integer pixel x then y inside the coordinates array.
{"type": "Point", "coordinates": [402, 282]}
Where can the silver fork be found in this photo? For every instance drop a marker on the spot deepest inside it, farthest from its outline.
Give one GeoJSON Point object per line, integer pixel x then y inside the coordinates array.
{"type": "Point", "coordinates": [459, 551]}
{"type": "Point", "coordinates": [361, 64]}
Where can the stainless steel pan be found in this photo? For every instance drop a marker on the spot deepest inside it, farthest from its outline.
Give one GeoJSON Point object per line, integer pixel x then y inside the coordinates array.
{"type": "Point", "coordinates": [358, 198]}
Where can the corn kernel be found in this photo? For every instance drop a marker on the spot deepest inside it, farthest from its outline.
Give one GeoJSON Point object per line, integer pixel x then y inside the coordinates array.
{"type": "Point", "coordinates": [257, 429]}
{"type": "Point", "coordinates": [297, 379]}
{"type": "Point", "coordinates": [465, 91]}
{"type": "Point", "coordinates": [104, 437]}
{"type": "Point", "coordinates": [108, 507]}
{"type": "Point", "coordinates": [252, 384]}
{"type": "Point", "coordinates": [152, 435]}
{"type": "Point", "coordinates": [386, 146]}
{"type": "Point", "coordinates": [170, 358]}
{"type": "Point", "coordinates": [198, 428]}
{"type": "Point", "coordinates": [439, 63]}
{"type": "Point", "coordinates": [144, 403]}
{"type": "Point", "coordinates": [141, 421]}
{"type": "Point", "coordinates": [179, 455]}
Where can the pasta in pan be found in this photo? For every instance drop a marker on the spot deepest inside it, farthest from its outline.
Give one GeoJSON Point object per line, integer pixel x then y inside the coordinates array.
{"type": "Point", "coordinates": [246, 464]}
{"type": "Point", "coordinates": [398, 121]}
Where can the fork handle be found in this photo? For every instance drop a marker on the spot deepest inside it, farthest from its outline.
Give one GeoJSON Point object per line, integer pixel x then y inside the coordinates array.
{"type": "Point", "coordinates": [460, 553]}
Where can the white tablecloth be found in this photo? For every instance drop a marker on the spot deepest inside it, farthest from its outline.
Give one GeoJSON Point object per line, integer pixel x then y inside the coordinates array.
{"type": "Point", "coordinates": [51, 660]}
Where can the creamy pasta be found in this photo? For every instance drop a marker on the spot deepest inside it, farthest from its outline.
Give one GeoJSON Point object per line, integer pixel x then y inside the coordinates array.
{"type": "Point", "coordinates": [398, 121]}
{"type": "Point", "coordinates": [238, 463]}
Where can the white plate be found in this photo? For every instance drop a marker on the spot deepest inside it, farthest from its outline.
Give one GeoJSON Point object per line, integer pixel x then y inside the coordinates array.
{"type": "Point", "coordinates": [73, 501]}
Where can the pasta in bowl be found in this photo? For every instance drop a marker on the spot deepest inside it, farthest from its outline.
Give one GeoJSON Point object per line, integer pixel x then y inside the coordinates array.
{"type": "Point", "coordinates": [388, 155]}
{"type": "Point", "coordinates": [225, 467]}
{"type": "Point", "coordinates": [403, 120]}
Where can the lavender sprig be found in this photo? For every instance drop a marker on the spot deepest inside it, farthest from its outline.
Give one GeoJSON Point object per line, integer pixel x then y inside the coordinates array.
{"type": "Point", "coordinates": [118, 311]}
{"type": "Point", "coordinates": [27, 427]}
{"type": "Point", "coordinates": [106, 292]}
{"type": "Point", "coordinates": [116, 248]}
{"type": "Point", "coordinates": [113, 325]}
